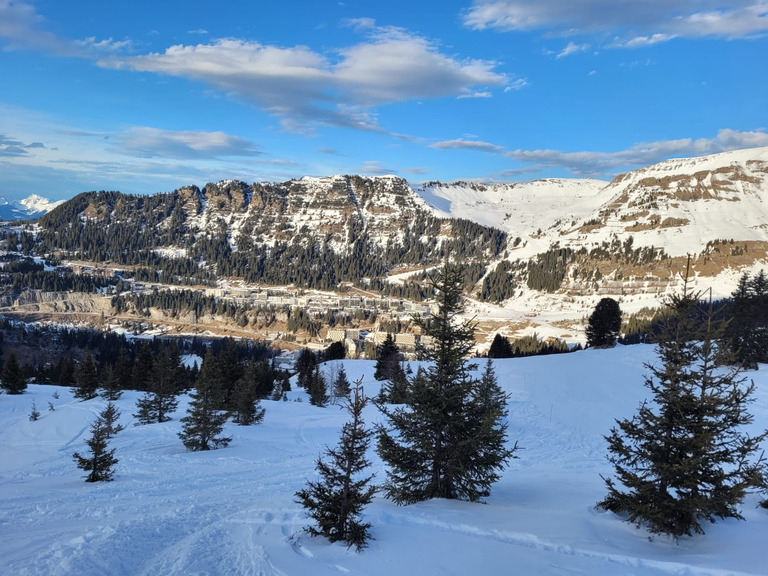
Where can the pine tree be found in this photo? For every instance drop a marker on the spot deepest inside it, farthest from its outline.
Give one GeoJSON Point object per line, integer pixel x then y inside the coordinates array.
{"type": "Point", "coordinates": [86, 379]}
{"type": "Point", "coordinates": [604, 324]}
{"type": "Point", "coordinates": [438, 445]}
{"type": "Point", "coordinates": [500, 347]}
{"type": "Point", "coordinates": [747, 331]}
{"type": "Point", "coordinates": [160, 399]}
{"type": "Point", "coordinates": [395, 389]}
{"type": "Point", "coordinates": [204, 421]}
{"type": "Point", "coordinates": [143, 368]}
{"type": "Point", "coordinates": [245, 399]}
{"type": "Point", "coordinates": [110, 415]}
{"type": "Point", "coordinates": [387, 357]}
{"type": "Point", "coordinates": [101, 462]}
{"type": "Point", "coordinates": [305, 365]}
{"type": "Point", "coordinates": [35, 414]}
{"type": "Point", "coordinates": [318, 389]}
{"type": "Point", "coordinates": [341, 385]}
{"type": "Point", "coordinates": [682, 459]}
{"type": "Point", "coordinates": [12, 379]}
{"type": "Point", "coordinates": [111, 390]}
{"type": "Point", "coordinates": [336, 501]}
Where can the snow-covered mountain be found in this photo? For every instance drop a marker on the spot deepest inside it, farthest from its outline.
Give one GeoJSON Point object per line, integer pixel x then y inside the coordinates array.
{"type": "Point", "coordinates": [29, 208]}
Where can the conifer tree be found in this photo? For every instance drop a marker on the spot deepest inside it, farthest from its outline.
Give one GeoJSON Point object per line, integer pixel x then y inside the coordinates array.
{"type": "Point", "coordinates": [336, 501]}
{"type": "Point", "coordinates": [681, 459]}
{"type": "Point", "coordinates": [305, 365]}
{"type": "Point", "coordinates": [246, 405]}
{"type": "Point", "coordinates": [160, 400]}
{"type": "Point", "coordinates": [387, 357]}
{"type": "Point", "coordinates": [604, 324]}
{"type": "Point", "coordinates": [35, 414]}
{"type": "Point", "coordinates": [318, 389]}
{"type": "Point", "coordinates": [110, 415]}
{"type": "Point", "coordinates": [395, 389]}
{"type": "Point", "coordinates": [341, 385]}
{"type": "Point", "coordinates": [500, 347]}
{"type": "Point", "coordinates": [86, 379]}
{"type": "Point", "coordinates": [111, 390]}
{"type": "Point", "coordinates": [12, 379]}
{"type": "Point", "coordinates": [204, 421]}
{"type": "Point", "coordinates": [438, 445]}
{"type": "Point", "coordinates": [100, 464]}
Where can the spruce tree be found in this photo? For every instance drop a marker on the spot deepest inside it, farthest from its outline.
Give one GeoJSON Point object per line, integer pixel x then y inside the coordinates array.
{"type": "Point", "coordinates": [245, 401]}
{"type": "Point", "coordinates": [395, 389]}
{"type": "Point", "coordinates": [604, 324]}
{"type": "Point", "coordinates": [12, 379]}
{"type": "Point", "coordinates": [318, 389]}
{"type": "Point", "coordinates": [682, 460]}
{"type": "Point", "coordinates": [341, 385]}
{"type": "Point", "coordinates": [336, 501]}
{"type": "Point", "coordinates": [500, 347]}
{"type": "Point", "coordinates": [204, 420]}
{"type": "Point", "coordinates": [100, 464]}
{"type": "Point", "coordinates": [160, 400]}
{"type": "Point", "coordinates": [438, 445]}
{"type": "Point", "coordinates": [110, 415]}
{"type": "Point", "coordinates": [305, 365]}
{"type": "Point", "coordinates": [111, 390]}
{"type": "Point", "coordinates": [35, 414]}
{"type": "Point", "coordinates": [387, 357]}
{"type": "Point", "coordinates": [86, 379]}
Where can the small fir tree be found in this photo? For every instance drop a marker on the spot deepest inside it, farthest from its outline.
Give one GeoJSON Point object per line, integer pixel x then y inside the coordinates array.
{"type": "Point", "coordinates": [35, 414]}
{"type": "Point", "coordinates": [101, 462]}
{"type": "Point", "coordinates": [111, 390]}
{"type": "Point", "coordinates": [604, 324]}
{"type": "Point", "coordinates": [388, 356]}
{"type": "Point", "coordinates": [336, 501]}
{"type": "Point", "coordinates": [86, 379]}
{"type": "Point", "coordinates": [246, 405]}
{"type": "Point", "coordinates": [157, 403]}
{"type": "Point", "coordinates": [395, 389]}
{"type": "Point", "coordinates": [12, 378]}
{"type": "Point", "coordinates": [204, 421]}
{"type": "Point", "coordinates": [682, 459]}
{"type": "Point", "coordinates": [305, 365]}
{"type": "Point", "coordinates": [438, 445]}
{"type": "Point", "coordinates": [341, 385]}
{"type": "Point", "coordinates": [110, 415]}
{"type": "Point", "coordinates": [318, 389]}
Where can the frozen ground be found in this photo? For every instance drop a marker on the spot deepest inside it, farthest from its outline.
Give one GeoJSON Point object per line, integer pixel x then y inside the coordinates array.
{"type": "Point", "coordinates": [232, 511]}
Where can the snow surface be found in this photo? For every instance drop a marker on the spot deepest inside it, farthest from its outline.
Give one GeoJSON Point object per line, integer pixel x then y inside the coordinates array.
{"type": "Point", "coordinates": [232, 511]}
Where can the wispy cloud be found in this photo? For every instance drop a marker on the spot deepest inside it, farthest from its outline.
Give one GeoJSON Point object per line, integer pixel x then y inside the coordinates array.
{"type": "Point", "coordinates": [633, 24]}
{"type": "Point", "coordinates": [10, 147]}
{"type": "Point", "coordinates": [305, 88]}
{"type": "Point", "coordinates": [147, 142]}
{"type": "Point", "coordinates": [572, 48]}
{"type": "Point", "coordinates": [374, 168]}
{"type": "Point", "coordinates": [462, 144]}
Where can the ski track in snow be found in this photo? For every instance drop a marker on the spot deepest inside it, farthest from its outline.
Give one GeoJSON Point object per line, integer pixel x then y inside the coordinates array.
{"type": "Point", "coordinates": [232, 511]}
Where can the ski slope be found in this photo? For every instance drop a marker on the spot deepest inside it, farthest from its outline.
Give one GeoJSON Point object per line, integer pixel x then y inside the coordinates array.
{"type": "Point", "coordinates": [232, 511]}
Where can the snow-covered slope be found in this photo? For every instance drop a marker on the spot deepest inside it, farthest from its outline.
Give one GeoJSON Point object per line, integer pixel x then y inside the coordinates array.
{"type": "Point", "coordinates": [232, 511]}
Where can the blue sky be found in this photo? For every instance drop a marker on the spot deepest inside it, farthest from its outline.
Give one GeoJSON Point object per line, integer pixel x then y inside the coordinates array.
{"type": "Point", "coordinates": [146, 97]}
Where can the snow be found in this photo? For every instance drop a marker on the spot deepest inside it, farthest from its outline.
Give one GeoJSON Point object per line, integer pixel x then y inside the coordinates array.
{"type": "Point", "coordinates": [232, 511]}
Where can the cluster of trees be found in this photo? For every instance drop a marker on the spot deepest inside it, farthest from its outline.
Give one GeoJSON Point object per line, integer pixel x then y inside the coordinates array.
{"type": "Point", "coordinates": [747, 330]}
{"type": "Point", "coordinates": [503, 347]}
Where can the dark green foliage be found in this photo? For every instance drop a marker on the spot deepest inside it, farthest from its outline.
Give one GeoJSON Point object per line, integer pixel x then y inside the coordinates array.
{"type": "Point", "coordinates": [341, 386]}
{"type": "Point", "coordinates": [305, 365]}
{"type": "Point", "coordinates": [111, 389]}
{"type": "Point", "coordinates": [12, 379]}
{"type": "Point", "coordinates": [747, 331]}
{"type": "Point", "coordinates": [387, 357]}
{"type": "Point", "coordinates": [245, 402]}
{"type": "Point", "coordinates": [204, 421]}
{"type": "Point", "coordinates": [438, 445]}
{"type": "Point", "coordinates": [160, 399]}
{"type": "Point", "coordinates": [547, 272]}
{"type": "Point", "coordinates": [604, 324]}
{"type": "Point", "coordinates": [395, 389]}
{"type": "Point", "coordinates": [336, 501]}
{"type": "Point", "coordinates": [500, 347]}
{"type": "Point", "coordinates": [318, 388]}
{"type": "Point", "coordinates": [86, 379]}
{"type": "Point", "coordinates": [109, 416]}
{"type": "Point", "coordinates": [336, 351]}
{"type": "Point", "coordinates": [100, 464]}
{"type": "Point", "coordinates": [682, 460]}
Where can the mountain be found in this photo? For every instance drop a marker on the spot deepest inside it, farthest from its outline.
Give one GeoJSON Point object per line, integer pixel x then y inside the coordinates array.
{"type": "Point", "coordinates": [29, 208]}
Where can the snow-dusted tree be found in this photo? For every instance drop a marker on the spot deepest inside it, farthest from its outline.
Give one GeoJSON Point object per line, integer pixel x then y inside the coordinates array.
{"type": "Point", "coordinates": [604, 324]}
{"type": "Point", "coordinates": [100, 464]}
{"type": "Point", "coordinates": [12, 379]}
{"type": "Point", "coordinates": [438, 445]}
{"type": "Point", "coordinates": [682, 459]}
{"type": "Point", "coordinates": [160, 400]}
{"type": "Point", "coordinates": [336, 501]}
{"type": "Point", "coordinates": [245, 397]}
{"type": "Point", "coordinates": [86, 379]}
{"type": "Point", "coordinates": [204, 421]}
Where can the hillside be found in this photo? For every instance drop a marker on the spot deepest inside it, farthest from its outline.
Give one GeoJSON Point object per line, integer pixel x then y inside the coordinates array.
{"type": "Point", "coordinates": [232, 511]}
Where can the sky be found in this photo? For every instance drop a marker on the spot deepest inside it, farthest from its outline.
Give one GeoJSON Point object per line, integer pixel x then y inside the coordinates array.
{"type": "Point", "coordinates": [146, 96]}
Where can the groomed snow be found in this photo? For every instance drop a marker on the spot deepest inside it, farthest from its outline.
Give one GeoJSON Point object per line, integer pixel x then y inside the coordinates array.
{"type": "Point", "coordinates": [232, 511]}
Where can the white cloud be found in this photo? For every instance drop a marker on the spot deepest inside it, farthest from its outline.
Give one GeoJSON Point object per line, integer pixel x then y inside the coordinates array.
{"type": "Point", "coordinates": [148, 142]}
{"type": "Point", "coordinates": [636, 23]}
{"type": "Point", "coordinates": [461, 144]}
{"type": "Point", "coordinates": [572, 48]}
{"type": "Point", "coordinates": [305, 88]}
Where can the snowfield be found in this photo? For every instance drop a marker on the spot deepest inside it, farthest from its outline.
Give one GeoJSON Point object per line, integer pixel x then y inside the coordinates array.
{"type": "Point", "coordinates": [232, 511]}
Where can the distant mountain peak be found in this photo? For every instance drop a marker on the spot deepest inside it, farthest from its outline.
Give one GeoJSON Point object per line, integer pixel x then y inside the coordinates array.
{"type": "Point", "coordinates": [31, 207]}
